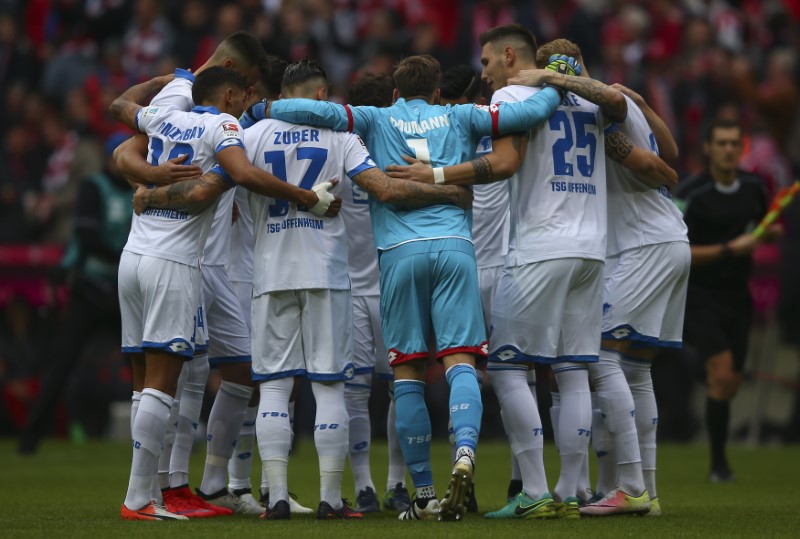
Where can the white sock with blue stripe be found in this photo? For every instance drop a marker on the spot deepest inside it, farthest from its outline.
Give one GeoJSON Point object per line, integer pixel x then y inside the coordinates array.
{"type": "Point", "coordinates": [224, 424]}
{"type": "Point", "coordinates": [331, 435]}
{"type": "Point", "coordinates": [356, 397]}
{"type": "Point", "coordinates": [574, 425]}
{"type": "Point", "coordinates": [523, 425]}
{"type": "Point", "coordinates": [242, 461]}
{"type": "Point", "coordinates": [188, 420]}
{"type": "Point", "coordinates": [148, 433]}
{"type": "Point", "coordinates": [274, 435]}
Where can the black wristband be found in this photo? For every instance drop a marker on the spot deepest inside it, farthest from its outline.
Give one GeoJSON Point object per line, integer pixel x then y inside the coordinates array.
{"type": "Point", "coordinates": [726, 251]}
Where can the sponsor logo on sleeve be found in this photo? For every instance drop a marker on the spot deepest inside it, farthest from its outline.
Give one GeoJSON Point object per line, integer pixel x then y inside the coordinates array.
{"type": "Point", "coordinates": [230, 129]}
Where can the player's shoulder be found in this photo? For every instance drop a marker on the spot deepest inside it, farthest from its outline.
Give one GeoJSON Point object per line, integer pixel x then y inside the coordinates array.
{"type": "Point", "coordinates": [513, 93]}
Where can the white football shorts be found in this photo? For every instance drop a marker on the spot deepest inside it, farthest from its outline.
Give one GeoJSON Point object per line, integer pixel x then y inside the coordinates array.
{"type": "Point", "coordinates": [244, 291]}
{"type": "Point", "coordinates": [303, 333]}
{"type": "Point", "coordinates": [488, 278]}
{"type": "Point", "coordinates": [158, 302]}
{"type": "Point", "coordinates": [548, 312]}
{"type": "Point", "coordinates": [228, 334]}
{"type": "Point", "coordinates": [369, 350]}
{"type": "Point", "coordinates": [645, 294]}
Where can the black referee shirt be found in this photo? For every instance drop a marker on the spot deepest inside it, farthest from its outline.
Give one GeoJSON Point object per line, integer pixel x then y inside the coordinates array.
{"type": "Point", "coordinates": [717, 214]}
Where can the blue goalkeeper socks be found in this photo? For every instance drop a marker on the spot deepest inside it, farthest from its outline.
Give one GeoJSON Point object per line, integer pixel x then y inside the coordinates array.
{"type": "Point", "coordinates": [465, 405]}
{"type": "Point", "coordinates": [414, 430]}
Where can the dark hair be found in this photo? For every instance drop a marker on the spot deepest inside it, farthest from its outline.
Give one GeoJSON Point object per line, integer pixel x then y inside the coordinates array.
{"type": "Point", "coordinates": [212, 80]}
{"type": "Point", "coordinates": [246, 47]}
{"type": "Point", "coordinates": [302, 72]}
{"type": "Point", "coordinates": [460, 81]}
{"type": "Point", "coordinates": [372, 90]}
{"type": "Point", "coordinates": [510, 31]}
{"type": "Point", "coordinates": [722, 123]}
{"type": "Point", "coordinates": [272, 75]}
{"type": "Point", "coordinates": [557, 46]}
{"type": "Point", "coordinates": [417, 76]}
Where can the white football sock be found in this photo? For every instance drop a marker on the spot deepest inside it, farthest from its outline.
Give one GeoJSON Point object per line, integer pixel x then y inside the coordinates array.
{"type": "Point", "coordinates": [523, 425]}
{"type": "Point", "coordinates": [274, 435]}
{"type": "Point", "coordinates": [574, 425]}
{"type": "Point", "coordinates": [188, 419]}
{"type": "Point", "coordinates": [641, 384]}
{"type": "Point", "coordinates": [148, 435]}
{"type": "Point", "coordinates": [224, 424]}
{"type": "Point", "coordinates": [356, 395]}
{"type": "Point", "coordinates": [616, 402]}
{"type": "Point", "coordinates": [555, 414]}
{"type": "Point", "coordinates": [397, 465]}
{"type": "Point", "coordinates": [169, 441]}
{"type": "Point", "coordinates": [242, 460]}
{"type": "Point", "coordinates": [136, 398]}
{"type": "Point", "coordinates": [603, 447]}
{"type": "Point", "coordinates": [331, 434]}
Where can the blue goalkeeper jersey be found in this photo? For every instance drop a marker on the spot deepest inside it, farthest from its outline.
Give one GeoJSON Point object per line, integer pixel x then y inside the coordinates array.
{"type": "Point", "coordinates": [437, 135]}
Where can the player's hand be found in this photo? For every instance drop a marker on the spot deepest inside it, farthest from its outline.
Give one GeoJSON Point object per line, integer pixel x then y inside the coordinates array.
{"type": "Point", "coordinates": [463, 196]}
{"type": "Point", "coordinates": [235, 213]}
{"type": "Point", "coordinates": [325, 198]}
{"type": "Point", "coordinates": [416, 171]}
{"type": "Point", "coordinates": [254, 113]}
{"type": "Point", "coordinates": [566, 65]}
{"type": "Point", "coordinates": [138, 200]}
{"type": "Point", "coordinates": [175, 171]}
{"type": "Point", "coordinates": [334, 208]}
{"type": "Point", "coordinates": [744, 244]}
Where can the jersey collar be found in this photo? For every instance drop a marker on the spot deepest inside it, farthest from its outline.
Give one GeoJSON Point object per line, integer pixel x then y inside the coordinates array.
{"type": "Point", "coordinates": [206, 110]}
{"type": "Point", "coordinates": [183, 74]}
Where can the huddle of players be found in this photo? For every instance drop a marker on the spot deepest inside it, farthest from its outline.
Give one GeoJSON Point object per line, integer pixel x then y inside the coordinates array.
{"type": "Point", "coordinates": [303, 310]}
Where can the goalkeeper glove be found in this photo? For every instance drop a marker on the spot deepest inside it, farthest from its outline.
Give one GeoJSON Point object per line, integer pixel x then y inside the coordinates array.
{"type": "Point", "coordinates": [566, 65]}
{"type": "Point", "coordinates": [254, 114]}
{"type": "Point", "coordinates": [325, 198]}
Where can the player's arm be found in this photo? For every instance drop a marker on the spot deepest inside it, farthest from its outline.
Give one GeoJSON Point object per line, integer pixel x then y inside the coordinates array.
{"type": "Point", "coordinates": [611, 101]}
{"type": "Point", "coordinates": [193, 195]}
{"type": "Point", "coordinates": [667, 147]}
{"type": "Point", "coordinates": [312, 112]}
{"type": "Point", "coordinates": [130, 159]}
{"type": "Point", "coordinates": [740, 246]}
{"type": "Point", "coordinates": [648, 168]}
{"type": "Point", "coordinates": [234, 161]}
{"type": "Point", "coordinates": [501, 163]}
{"type": "Point", "coordinates": [411, 195]}
{"type": "Point", "coordinates": [126, 107]}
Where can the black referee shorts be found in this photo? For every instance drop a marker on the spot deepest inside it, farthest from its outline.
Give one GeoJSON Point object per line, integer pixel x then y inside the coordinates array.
{"type": "Point", "coordinates": [718, 320]}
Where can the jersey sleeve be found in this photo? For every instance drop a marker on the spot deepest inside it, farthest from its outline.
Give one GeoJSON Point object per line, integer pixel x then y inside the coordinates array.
{"type": "Point", "coordinates": [147, 117]}
{"type": "Point", "coordinates": [178, 93]}
{"type": "Point", "coordinates": [227, 132]}
{"type": "Point", "coordinates": [323, 114]}
{"type": "Point", "coordinates": [500, 119]}
{"type": "Point", "coordinates": [356, 157]}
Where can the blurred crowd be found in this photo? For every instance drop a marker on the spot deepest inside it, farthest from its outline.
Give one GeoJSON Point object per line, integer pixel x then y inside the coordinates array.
{"type": "Point", "coordinates": [62, 62]}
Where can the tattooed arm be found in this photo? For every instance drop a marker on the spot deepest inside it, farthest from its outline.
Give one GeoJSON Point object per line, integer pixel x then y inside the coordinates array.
{"type": "Point", "coordinates": [191, 195]}
{"type": "Point", "coordinates": [130, 159]}
{"type": "Point", "coordinates": [410, 195]}
{"type": "Point", "coordinates": [125, 107]}
{"type": "Point", "coordinates": [611, 101]}
{"type": "Point", "coordinates": [648, 168]}
{"type": "Point", "coordinates": [503, 161]}
{"type": "Point", "coordinates": [667, 147]}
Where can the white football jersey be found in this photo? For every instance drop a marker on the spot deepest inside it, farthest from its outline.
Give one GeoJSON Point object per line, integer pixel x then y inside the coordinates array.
{"type": "Point", "coordinates": [362, 254]}
{"type": "Point", "coordinates": [558, 198]}
{"type": "Point", "coordinates": [639, 215]}
{"type": "Point", "coordinates": [240, 267]}
{"type": "Point", "coordinates": [490, 223]}
{"type": "Point", "coordinates": [295, 249]}
{"type": "Point", "coordinates": [177, 94]}
{"type": "Point", "coordinates": [218, 244]}
{"type": "Point", "coordinates": [175, 234]}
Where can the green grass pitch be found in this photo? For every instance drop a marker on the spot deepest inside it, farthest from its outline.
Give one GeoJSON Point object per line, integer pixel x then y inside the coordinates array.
{"type": "Point", "coordinates": [76, 491]}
